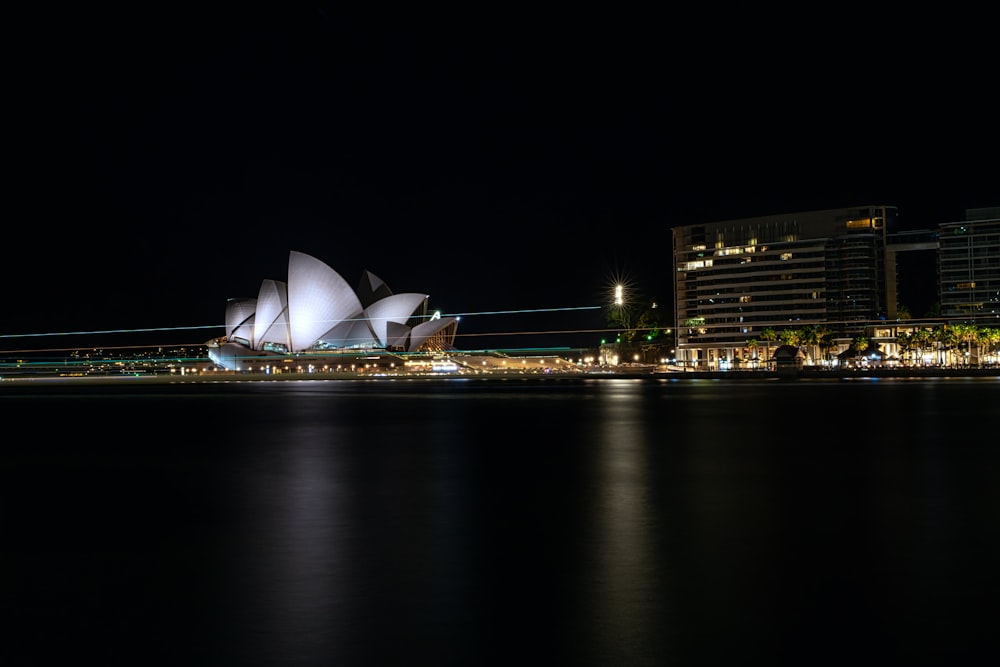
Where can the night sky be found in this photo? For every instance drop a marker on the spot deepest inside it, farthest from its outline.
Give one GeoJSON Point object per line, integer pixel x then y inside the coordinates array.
{"type": "Point", "coordinates": [160, 164]}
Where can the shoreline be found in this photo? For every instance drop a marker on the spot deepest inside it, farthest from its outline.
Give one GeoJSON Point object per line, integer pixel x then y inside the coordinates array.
{"type": "Point", "coordinates": [807, 373]}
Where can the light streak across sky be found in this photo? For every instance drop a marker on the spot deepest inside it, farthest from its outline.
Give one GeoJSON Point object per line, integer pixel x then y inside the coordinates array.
{"type": "Point", "coordinates": [223, 326]}
{"type": "Point", "coordinates": [111, 331]}
{"type": "Point", "coordinates": [147, 330]}
{"type": "Point", "coordinates": [520, 312]}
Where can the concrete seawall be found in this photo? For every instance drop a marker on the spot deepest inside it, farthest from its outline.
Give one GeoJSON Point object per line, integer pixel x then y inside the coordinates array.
{"type": "Point", "coordinates": [806, 373]}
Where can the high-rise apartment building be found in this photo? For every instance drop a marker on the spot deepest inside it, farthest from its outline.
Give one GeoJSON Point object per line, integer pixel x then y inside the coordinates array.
{"type": "Point", "coordinates": [969, 266]}
{"type": "Point", "coordinates": [836, 268]}
{"type": "Point", "coordinates": [736, 278]}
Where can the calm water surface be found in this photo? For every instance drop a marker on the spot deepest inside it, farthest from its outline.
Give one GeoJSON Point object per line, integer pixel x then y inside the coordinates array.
{"type": "Point", "coordinates": [462, 522]}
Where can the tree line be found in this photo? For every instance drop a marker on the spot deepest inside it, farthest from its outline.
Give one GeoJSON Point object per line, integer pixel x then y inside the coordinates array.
{"type": "Point", "coordinates": [945, 341]}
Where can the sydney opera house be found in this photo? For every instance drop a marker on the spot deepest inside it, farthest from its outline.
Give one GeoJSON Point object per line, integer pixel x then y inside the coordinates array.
{"type": "Point", "coordinates": [316, 312]}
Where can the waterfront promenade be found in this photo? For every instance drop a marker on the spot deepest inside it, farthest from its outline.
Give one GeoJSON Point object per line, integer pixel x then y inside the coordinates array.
{"type": "Point", "coordinates": [805, 373]}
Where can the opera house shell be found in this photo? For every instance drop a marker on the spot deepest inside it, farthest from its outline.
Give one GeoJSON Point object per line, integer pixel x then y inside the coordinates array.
{"type": "Point", "coordinates": [316, 312]}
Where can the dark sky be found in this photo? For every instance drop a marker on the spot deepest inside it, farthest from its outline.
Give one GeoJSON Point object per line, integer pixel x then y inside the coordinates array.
{"type": "Point", "coordinates": [160, 164]}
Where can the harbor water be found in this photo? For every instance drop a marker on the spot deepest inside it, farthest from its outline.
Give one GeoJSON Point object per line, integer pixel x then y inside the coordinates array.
{"type": "Point", "coordinates": [605, 521]}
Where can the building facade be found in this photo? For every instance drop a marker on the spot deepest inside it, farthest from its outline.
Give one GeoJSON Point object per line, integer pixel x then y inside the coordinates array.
{"type": "Point", "coordinates": [969, 267]}
{"type": "Point", "coordinates": [735, 279]}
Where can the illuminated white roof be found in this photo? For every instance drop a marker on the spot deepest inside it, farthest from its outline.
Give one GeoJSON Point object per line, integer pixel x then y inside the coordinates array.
{"type": "Point", "coordinates": [317, 309]}
{"type": "Point", "coordinates": [318, 298]}
{"type": "Point", "coordinates": [271, 320]}
{"type": "Point", "coordinates": [398, 336]}
{"type": "Point", "coordinates": [397, 308]}
{"type": "Point", "coordinates": [425, 330]}
{"type": "Point", "coordinates": [240, 318]}
{"type": "Point", "coordinates": [353, 332]}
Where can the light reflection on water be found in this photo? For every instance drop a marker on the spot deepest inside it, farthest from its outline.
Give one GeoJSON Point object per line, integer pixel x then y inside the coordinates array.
{"type": "Point", "coordinates": [592, 522]}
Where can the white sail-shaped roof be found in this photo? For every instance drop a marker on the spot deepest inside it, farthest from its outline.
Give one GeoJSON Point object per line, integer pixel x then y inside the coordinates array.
{"type": "Point", "coordinates": [240, 319]}
{"type": "Point", "coordinates": [397, 308]}
{"type": "Point", "coordinates": [316, 309]}
{"type": "Point", "coordinates": [318, 298]}
{"type": "Point", "coordinates": [397, 336]}
{"type": "Point", "coordinates": [443, 327]}
{"type": "Point", "coordinates": [353, 332]}
{"type": "Point", "coordinates": [271, 322]}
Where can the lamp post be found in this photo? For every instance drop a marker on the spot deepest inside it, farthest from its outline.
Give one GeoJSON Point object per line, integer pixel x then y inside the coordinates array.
{"type": "Point", "coordinates": [621, 316]}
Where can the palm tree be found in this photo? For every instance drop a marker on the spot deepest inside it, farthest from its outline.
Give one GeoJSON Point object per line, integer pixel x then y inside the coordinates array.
{"type": "Point", "coordinates": [826, 342]}
{"type": "Point", "coordinates": [946, 341]}
{"type": "Point", "coordinates": [768, 335]}
{"type": "Point", "coordinates": [906, 342]}
{"type": "Point", "coordinates": [967, 334]}
{"type": "Point", "coordinates": [790, 337]}
{"type": "Point", "coordinates": [921, 341]}
{"type": "Point", "coordinates": [752, 346]}
{"type": "Point", "coordinates": [809, 337]}
{"type": "Point", "coordinates": [988, 339]}
{"type": "Point", "coordinates": [859, 344]}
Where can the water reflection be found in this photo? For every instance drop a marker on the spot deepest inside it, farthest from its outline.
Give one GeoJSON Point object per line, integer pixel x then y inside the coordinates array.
{"type": "Point", "coordinates": [593, 522]}
{"type": "Point", "coordinates": [629, 574]}
{"type": "Point", "coordinates": [294, 562]}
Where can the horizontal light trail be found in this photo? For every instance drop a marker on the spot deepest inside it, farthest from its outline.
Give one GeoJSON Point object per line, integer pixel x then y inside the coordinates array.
{"type": "Point", "coordinates": [112, 331]}
{"type": "Point", "coordinates": [519, 312]}
{"type": "Point", "coordinates": [552, 331]}
{"type": "Point", "coordinates": [199, 344]}
{"type": "Point", "coordinates": [459, 335]}
{"type": "Point", "coordinates": [223, 326]}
